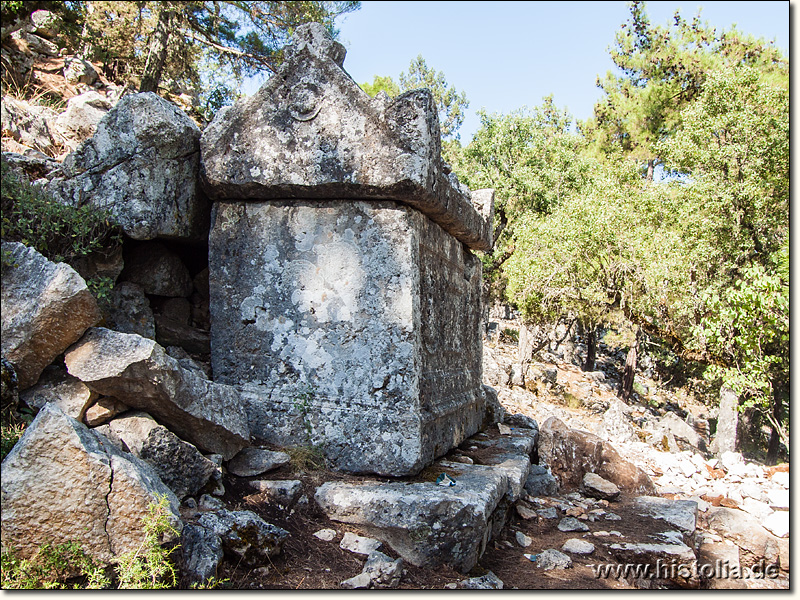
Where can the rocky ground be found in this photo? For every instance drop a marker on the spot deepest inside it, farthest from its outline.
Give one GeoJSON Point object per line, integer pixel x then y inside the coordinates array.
{"type": "Point", "coordinates": [741, 519]}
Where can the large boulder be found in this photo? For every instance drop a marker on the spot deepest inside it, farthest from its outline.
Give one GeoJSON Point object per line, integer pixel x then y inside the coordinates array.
{"type": "Point", "coordinates": [179, 464]}
{"type": "Point", "coordinates": [62, 482]}
{"type": "Point", "coordinates": [141, 165]}
{"type": "Point", "coordinates": [46, 307]}
{"type": "Point", "coordinates": [139, 372]}
{"type": "Point", "coordinates": [27, 124]}
{"type": "Point", "coordinates": [571, 454]}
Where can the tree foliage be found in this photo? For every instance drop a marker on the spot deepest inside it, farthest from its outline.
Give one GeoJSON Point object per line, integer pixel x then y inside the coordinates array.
{"type": "Point", "coordinates": [697, 260]}
{"type": "Point", "coordinates": [205, 47]}
{"type": "Point", "coordinates": [450, 103]}
{"type": "Point", "coordinates": [661, 70]}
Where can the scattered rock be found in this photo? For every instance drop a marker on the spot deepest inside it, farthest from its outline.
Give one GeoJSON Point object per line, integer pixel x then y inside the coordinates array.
{"type": "Point", "coordinates": [553, 559]}
{"type": "Point", "coordinates": [62, 482]}
{"type": "Point", "coordinates": [523, 540]}
{"type": "Point", "coordinates": [359, 582]}
{"type": "Point", "coordinates": [778, 524]}
{"type": "Point", "coordinates": [384, 572]}
{"type": "Point", "coordinates": [256, 461]}
{"type": "Point", "coordinates": [179, 464]}
{"type": "Point", "coordinates": [595, 486]}
{"type": "Point", "coordinates": [129, 311]}
{"type": "Point", "coordinates": [57, 386]}
{"type": "Point", "coordinates": [103, 411]}
{"type": "Point", "coordinates": [578, 546]}
{"type": "Point", "coordinates": [280, 492]}
{"type": "Point", "coordinates": [570, 454]}
{"type": "Point", "coordinates": [572, 524]}
{"type": "Point", "coordinates": [540, 482]}
{"type": "Point", "coordinates": [326, 535]}
{"type": "Point", "coordinates": [358, 544]}
{"type": "Point", "coordinates": [490, 581]}
{"type": "Point", "coordinates": [680, 513]}
{"type": "Point", "coordinates": [245, 536]}
{"type": "Point", "coordinates": [138, 372]}
{"type": "Point", "coordinates": [201, 552]}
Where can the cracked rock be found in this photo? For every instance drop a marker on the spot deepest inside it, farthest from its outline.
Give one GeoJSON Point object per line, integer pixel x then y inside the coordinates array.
{"type": "Point", "coordinates": [63, 482]}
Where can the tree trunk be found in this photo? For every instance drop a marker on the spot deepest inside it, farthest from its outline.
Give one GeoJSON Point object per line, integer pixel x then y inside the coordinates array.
{"type": "Point", "coordinates": [626, 389]}
{"type": "Point", "coordinates": [651, 164]}
{"type": "Point", "coordinates": [777, 413]}
{"type": "Point", "coordinates": [158, 52]}
{"type": "Point", "coordinates": [591, 350]}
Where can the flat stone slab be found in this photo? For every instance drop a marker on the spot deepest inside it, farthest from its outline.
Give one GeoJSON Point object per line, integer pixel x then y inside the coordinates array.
{"type": "Point", "coordinates": [255, 461]}
{"type": "Point", "coordinates": [432, 524]}
{"type": "Point", "coordinates": [680, 513]}
{"type": "Point", "coordinates": [427, 524]}
{"type": "Point", "coordinates": [652, 553]}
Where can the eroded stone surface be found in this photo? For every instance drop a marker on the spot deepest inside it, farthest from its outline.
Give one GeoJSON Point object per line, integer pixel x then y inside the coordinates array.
{"type": "Point", "coordinates": [62, 482]}
{"type": "Point", "coordinates": [138, 372]}
{"type": "Point", "coordinates": [352, 325]}
{"type": "Point", "coordinates": [46, 307]}
{"type": "Point", "coordinates": [311, 132]}
{"type": "Point", "coordinates": [141, 165]}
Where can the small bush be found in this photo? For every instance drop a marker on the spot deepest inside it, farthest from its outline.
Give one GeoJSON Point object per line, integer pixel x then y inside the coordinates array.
{"type": "Point", "coordinates": [10, 436]}
{"type": "Point", "coordinates": [150, 565]}
{"type": "Point", "coordinates": [67, 566]}
{"type": "Point", "coordinates": [62, 566]}
{"type": "Point", "coordinates": [509, 336]}
{"type": "Point", "coordinates": [306, 458]}
{"type": "Point", "coordinates": [59, 232]}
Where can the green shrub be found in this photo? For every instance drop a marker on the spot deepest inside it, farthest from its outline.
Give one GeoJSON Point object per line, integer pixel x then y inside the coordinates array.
{"type": "Point", "coordinates": [510, 336]}
{"type": "Point", "coordinates": [10, 435]}
{"type": "Point", "coordinates": [67, 566]}
{"type": "Point", "coordinates": [61, 566]}
{"type": "Point", "coordinates": [59, 232]}
{"type": "Point", "coordinates": [150, 566]}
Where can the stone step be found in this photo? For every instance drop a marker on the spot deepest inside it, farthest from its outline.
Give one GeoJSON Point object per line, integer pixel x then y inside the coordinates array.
{"type": "Point", "coordinates": [429, 524]}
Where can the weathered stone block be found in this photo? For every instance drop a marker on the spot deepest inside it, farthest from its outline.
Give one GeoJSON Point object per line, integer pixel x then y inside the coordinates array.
{"type": "Point", "coordinates": [311, 132]}
{"type": "Point", "coordinates": [354, 325]}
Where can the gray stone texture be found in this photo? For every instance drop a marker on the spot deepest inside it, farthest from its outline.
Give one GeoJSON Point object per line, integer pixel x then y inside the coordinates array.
{"type": "Point", "coordinates": [311, 132]}
{"type": "Point", "coordinates": [428, 525]}
{"type": "Point", "coordinates": [571, 453]}
{"type": "Point", "coordinates": [65, 391]}
{"type": "Point", "coordinates": [255, 461]}
{"type": "Point", "coordinates": [179, 464]}
{"type": "Point", "coordinates": [245, 536]}
{"type": "Point", "coordinates": [129, 311]}
{"type": "Point", "coordinates": [355, 324]}
{"type": "Point", "coordinates": [595, 486]}
{"type": "Point", "coordinates": [62, 482]}
{"type": "Point", "coordinates": [201, 553]}
{"type": "Point", "coordinates": [138, 372]}
{"type": "Point", "coordinates": [727, 423]}
{"type": "Point", "coordinates": [141, 165]}
{"type": "Point", "coordinates": [46, 307]}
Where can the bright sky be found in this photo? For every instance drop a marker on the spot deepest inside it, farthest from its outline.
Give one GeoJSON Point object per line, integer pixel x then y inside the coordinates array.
{"type": "Point", "coordinates": [505, 55]}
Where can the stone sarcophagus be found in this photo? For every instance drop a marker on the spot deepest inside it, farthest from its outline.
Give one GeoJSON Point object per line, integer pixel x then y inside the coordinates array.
{"type": "Point", "coordinates": [345, 300]}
